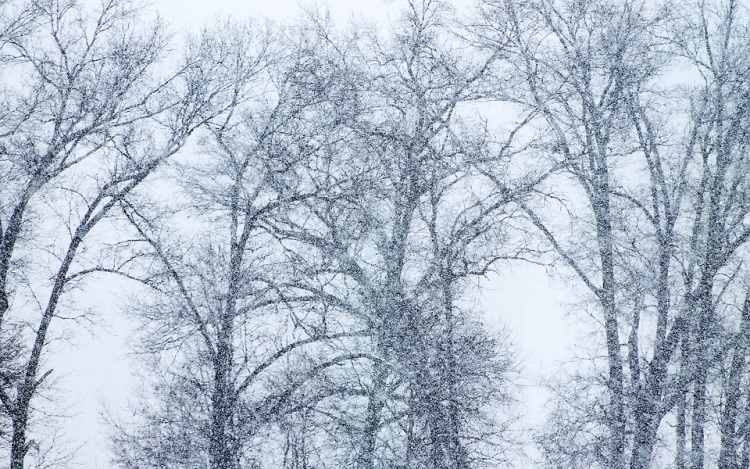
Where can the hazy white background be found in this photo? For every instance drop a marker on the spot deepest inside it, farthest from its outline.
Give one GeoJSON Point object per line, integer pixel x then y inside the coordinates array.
{"type": "Point", "coordinates": [96, 369]}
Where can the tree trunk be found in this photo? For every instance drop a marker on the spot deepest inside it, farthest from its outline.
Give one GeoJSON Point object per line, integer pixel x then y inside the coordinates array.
{"type": "Point", "coordinates": [702, 365]}
{"type": "Point", "coordinates": [682, 407]}
{"type": "Point", "coordinates": [744, 433]}
{"type": "Point", "coordinates": [699, 417]}
{"type": "Point", "coordinates": [19, 446]}
{"type": "Point", "coordinates": [375, 404]}
{"type": "Point", "coordinates": [645, 435]}
{"type": "Point", "coordinates": [615, 384]}
{"type": "Point", "coordinates": [728, 426]}
{"type": "Point", "coordinates": [222, 450]}
{"type": "Point", "coordinates": [681, 432]}
{"type": "Point", "coordinates": [456, 450]}
{"type": "Point", "coordinates": [221, 454]}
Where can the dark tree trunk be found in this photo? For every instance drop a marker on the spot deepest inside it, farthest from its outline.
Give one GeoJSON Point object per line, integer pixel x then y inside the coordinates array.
{"type": "Point", "coordinates": [732, 395]}
{"type": "Point", "coordinates": [375, 404]}
{"type": "Point", "coordinates": [702, 362]}
{"type": "Point", "coordinates": [615, 384]}
{"type": "Point", "coordinates": [19, 445]}
{"type": "Point", "coordinates": [221, 448]}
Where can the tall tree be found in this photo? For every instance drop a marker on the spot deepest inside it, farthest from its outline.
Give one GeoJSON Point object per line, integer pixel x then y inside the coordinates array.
{"type": "Point", "coordinates": [713, 39]}
{"type": "Point", "coordinates": [586, 67]}
{"type": "Point", "coordinates": [89, 119]}
{"type": "Point", "coordinates": [230, 339]}
{"type": "Point", "coordinates": [661, 201]}
{"type": "Point", "coordinates": [399, 247]}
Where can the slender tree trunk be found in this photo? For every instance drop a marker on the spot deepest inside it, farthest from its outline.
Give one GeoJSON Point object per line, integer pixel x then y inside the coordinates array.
{"type": "Point", "coordinates": [681, 432]}
{"type": "Point", "coordinates": [375, 404]}
{"type": "Point", "coordinates": [700, 378]}
{"type": "Point", "coordinates": [19, 446]}
{"type": "Point", "coordinates": [223, 451]}
{"type": "Point", "coordinates": [616, 415]}
{"type": "Point", "coordinates": [698, 420]}
{"type": "Point", "coordinates": [681, 454]}
{"type": "Point", "coordinates": [645, 435]}
{"type": "Point", "coordinates": [728, 452]}
{"type": "Point", "coordinates": [221, 454]}
{"type": "Point", "coordinates": [457, 452]}
{"type": "Point", "coordinates": [744, 433]}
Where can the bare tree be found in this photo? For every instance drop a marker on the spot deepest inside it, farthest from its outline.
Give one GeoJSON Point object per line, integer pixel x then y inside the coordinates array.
{"type": "Point", "coordinates": [230, 338]}
{"type": "Point", "coordinates": [664, 204]}
{"type": "Point", "coordinates": [88, 121]}
{"type": "Point", "coordinates": [712, 38]}
{"type": "Point", "coordinates": [586, 68]}
{"type": "Point", "coordinates": [399, 246]}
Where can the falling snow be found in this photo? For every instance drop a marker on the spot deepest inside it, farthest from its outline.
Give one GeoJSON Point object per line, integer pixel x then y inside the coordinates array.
{"type": "Point", "coordinates": [298, 223]}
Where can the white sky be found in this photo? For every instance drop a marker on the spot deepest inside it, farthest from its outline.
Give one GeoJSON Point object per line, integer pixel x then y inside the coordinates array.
{"type": "Point", "coordinates": [96, 369]}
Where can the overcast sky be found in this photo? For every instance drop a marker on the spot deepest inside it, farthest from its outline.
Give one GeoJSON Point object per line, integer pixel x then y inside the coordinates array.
{"type": "Point", "coordinates": [96, 370]}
